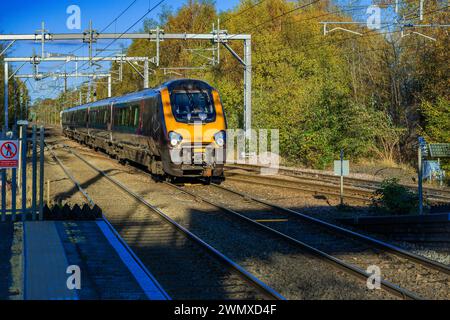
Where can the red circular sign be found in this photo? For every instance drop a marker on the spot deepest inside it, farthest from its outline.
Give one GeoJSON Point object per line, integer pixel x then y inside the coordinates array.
{"type": "Point", "coordinates": [8, 150]}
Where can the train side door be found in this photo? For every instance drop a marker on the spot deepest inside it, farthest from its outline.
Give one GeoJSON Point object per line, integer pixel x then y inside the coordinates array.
{"type": "Point", "coordinates": [88, 118]}
{"type": "Point", "coordinates": [109, 125]}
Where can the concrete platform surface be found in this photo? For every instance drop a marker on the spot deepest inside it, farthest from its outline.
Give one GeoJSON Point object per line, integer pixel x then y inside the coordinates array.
{"type": "Point", "coordinates": [11, 265]}
{"type": "Point", "coordinates": [108, 269]}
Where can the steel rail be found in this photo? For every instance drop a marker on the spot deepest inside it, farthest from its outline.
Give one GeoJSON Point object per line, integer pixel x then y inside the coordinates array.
{"type": "Point", "coordinates": [441, 195]}
{"type": "Point", "coordinates": [332, 183]}
{"type": "Point", "coordinates": [388, 286]}
{"type": "Point", "coordinates": [310, 190]}
{"type": "Point", "coordinates": [92, 203]}
{"type": "Point", "coordinates": [71, 177]}
{"type": "Point", "coordinates": [267, 291]}
{"type": "Point", "coordinates": [347, 267]}
{"type": "Point", "coordinates": [368, 190]}
{"type": "Point", "coordinates": [347, 232]}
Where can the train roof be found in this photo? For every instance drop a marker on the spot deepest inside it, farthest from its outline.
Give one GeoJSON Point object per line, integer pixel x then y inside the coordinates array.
{"type": "Point", "coordinates": [182, 83]}
{"type": "Point", "coordinates": [139, 95]}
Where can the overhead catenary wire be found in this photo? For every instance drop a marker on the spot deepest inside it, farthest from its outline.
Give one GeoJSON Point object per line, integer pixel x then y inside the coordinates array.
{"type": "Point", "coordinates": [308, 45]}
{"type": "Point", "coordinates": [370, 33]}
{"type": "Point", "coordinates": [123, 33]}
{"type": "Point", "coordinates": [129, 28]}
{"type": "Point", "coordinates": [258, 29]}
{"type": "Point", "coordinates": [120, 15]}
{"type": "Point", "coordinates": [279, 16]}
{"type": "Point", "coordinates": [243, 11]}
{"type": "Point", "coordinates": [105, 28]}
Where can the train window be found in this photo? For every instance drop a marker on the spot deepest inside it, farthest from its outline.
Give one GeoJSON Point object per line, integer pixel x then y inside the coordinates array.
{"type": "Point", "coordinates": [192, 105]}
{"type": "Point", "coordinates": [97, 117]}
{"type": "Point", "coordinates": [123, 116]}
{"type": "Point", "coordinates": [105, 116]}
{"type": "Point", "coordinates": [136, 116]}
{"type": "Point", "coordinates": [92, 117]}
{"type": "Point", "coordinates": [126, 117]}
{"type": "Point", "coordinates": [150, 118]}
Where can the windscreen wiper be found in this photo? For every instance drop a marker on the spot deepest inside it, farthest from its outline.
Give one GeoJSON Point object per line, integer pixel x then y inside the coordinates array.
{"type": "Point", "coordinates": [191, 100]}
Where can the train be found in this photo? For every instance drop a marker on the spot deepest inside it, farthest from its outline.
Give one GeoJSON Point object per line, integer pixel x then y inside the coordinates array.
{"type": "Point", "coordinates": [177, 129]}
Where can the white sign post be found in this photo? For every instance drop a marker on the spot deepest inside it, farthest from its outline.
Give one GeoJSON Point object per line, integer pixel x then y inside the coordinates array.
{"type": "Point", "coordinates": [9, 154]}
{"type": "Point", "coordinates": [342, 168]}
{"type": "Point", "coordinates": [421, 152]}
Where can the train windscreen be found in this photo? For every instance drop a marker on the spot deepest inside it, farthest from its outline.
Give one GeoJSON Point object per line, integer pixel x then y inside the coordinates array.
{"type": "Point", "coordinates": [191, 106]}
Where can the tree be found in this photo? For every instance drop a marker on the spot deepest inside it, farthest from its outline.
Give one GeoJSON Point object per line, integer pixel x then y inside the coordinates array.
{"type": "Point", "coordinates": [370, 95]}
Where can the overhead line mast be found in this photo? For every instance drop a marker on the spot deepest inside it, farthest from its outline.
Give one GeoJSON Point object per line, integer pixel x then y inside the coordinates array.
{"type": "Point", "coordinates": [220, 36]}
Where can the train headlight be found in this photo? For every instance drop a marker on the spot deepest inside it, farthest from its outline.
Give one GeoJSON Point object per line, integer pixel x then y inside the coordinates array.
{"type": "Point", "coordinates": [175, 138]}
{"type": "Point", "coordinates": [219, 137]}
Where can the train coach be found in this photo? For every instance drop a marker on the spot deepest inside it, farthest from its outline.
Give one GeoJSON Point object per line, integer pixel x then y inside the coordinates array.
{"type": "Point", "coordinates": [176, 130]}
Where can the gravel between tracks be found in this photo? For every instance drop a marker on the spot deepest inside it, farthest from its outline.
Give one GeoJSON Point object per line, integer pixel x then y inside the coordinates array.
{"type": "Point", "coordinates": [325, 209]}
{"type": "Point", "coordinates": [184, 269]}
{"type": "Point", "coordinates": [295, 274]}
{"type": "Point", "coordinates": [424, 281]}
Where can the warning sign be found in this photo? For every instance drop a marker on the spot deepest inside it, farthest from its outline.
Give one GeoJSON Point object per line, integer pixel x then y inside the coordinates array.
{"type": "Point", "coordinates": [9, 153]}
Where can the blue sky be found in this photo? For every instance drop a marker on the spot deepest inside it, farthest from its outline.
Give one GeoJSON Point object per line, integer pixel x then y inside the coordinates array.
{"type": "Point", "coordinates": [24, 16]}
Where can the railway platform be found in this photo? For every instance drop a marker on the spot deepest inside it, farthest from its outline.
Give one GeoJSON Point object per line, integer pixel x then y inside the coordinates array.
{"type": "Point", "coordinates": [71, 260]}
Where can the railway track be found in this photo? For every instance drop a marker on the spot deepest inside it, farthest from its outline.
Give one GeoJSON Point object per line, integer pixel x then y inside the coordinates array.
{"type": "Point", "coordinates": [405, 272]}
{"type": "Point", "coordinates": [323, 243]}
{"type": "Point", "coordinates": [347, 267]}
{"type": "Point", "coordinates": [356, 189]}
{"type": "Point", "coordinates": [185, 265]}
{"type": "Point", "coordinates": [306, 186]}
{"type": "Point", "coordinates": [303, 275]}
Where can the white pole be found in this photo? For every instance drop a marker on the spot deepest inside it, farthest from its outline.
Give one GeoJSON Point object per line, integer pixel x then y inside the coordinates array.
{"type": "Point", "coordinates": [247, 86]}
{"type": "Point", "coordinates": [146, 84]}
{"type": "Point", "coordinates": [109, 87]}
{"type": "Point", "coordinates": [19, 179]}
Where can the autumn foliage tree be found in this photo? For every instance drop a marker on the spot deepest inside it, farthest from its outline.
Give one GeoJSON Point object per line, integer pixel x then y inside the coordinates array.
{"type": "Point", "coordinates": [370, 95]}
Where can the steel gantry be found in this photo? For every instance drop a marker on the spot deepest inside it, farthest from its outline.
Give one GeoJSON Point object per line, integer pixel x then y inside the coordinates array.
{"type": "Point", "coordinates": [36, 60]}
{"type": "Point", "coordinates": [94, 76]}
{"type": "Point", "coordinates": [216, 36]}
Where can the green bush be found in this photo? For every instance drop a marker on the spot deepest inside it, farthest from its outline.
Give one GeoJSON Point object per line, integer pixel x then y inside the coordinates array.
{"type": "Point", "coordinates": [395, 198]}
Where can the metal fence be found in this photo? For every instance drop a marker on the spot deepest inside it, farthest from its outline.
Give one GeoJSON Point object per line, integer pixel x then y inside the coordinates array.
{"type": "Point", "coordinates": [20, 151]}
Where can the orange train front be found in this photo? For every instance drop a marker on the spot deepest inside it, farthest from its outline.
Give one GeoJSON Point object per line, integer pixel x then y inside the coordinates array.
{"type": "Point", "coordinates": [177, 129]}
